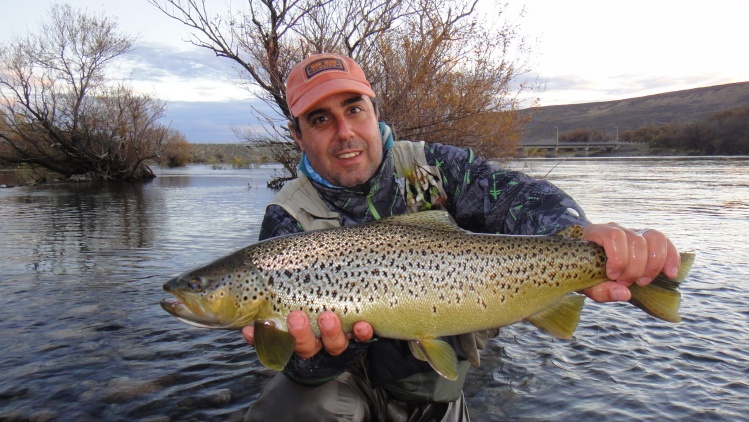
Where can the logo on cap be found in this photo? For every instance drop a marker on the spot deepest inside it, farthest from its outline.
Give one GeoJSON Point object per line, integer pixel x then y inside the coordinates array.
{"type": "Point", "coordinates": [323, 65]}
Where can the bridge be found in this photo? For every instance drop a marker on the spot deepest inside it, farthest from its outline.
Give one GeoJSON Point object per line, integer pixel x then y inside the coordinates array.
{"type": "Point", "coordinates": [553, 147]}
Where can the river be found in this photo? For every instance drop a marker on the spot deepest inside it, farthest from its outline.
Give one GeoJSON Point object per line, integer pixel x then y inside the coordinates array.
{"type": "Point", "coordinates": [83, 336]}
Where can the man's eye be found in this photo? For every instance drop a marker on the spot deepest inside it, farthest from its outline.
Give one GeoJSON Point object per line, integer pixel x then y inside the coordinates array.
{"type": "Point", "coordinates": [319, 120]}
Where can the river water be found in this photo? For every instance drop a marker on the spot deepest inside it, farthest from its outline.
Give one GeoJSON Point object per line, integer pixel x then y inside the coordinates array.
{"type": "Point", "coordinates": [83, 336]}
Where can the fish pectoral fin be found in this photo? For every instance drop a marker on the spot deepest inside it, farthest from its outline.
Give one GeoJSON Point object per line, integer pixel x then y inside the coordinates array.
{"type": "Point", "coordinates": [274, 346]}
{"type": "Point", "coordinates": [561, 319]}
{"type": "Point", "coordinates": [416, 350]}
{"type": "Point", "coordinates": [661, 298]}
{"type": "Point", "coordinates": [440, 355]}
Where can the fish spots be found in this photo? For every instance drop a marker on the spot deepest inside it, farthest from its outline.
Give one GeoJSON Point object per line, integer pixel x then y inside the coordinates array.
{"type": "Point", "coordinates": [360, 269]}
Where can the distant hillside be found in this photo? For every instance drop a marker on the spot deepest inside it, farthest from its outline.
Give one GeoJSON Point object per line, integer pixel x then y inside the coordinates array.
{"type": "Point", "coordinates": [671, 107]}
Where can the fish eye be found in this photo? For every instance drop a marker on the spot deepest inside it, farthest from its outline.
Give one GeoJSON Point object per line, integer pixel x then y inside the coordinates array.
{"type": "Point", "coordinates": [194, 285]}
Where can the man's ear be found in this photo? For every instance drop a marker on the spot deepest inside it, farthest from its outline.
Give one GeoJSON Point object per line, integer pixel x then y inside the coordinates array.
{"type": "Point", "coordinates": [295, 134]}
{"type": "Point", "coordinates": [376, 107]}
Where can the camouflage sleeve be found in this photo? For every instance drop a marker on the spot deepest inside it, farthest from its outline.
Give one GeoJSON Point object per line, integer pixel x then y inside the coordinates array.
{"type": "Point", "coordinates": [278, 222]}
{"type": "Point", "coordinates": [483, 197]}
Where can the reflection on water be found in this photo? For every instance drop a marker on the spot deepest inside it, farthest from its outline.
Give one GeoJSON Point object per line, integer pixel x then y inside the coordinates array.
{"type": "Point", "coordinates": [82, 265]}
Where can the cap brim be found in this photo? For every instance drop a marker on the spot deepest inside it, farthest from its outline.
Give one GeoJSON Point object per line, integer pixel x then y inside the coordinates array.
{"type": "Point", "coordinates": [326, 89]}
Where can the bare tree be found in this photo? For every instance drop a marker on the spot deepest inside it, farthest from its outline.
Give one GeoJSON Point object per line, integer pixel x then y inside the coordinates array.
{"type": "Point", "coordinates": [57, 109]}
{"type": "Point", "coordinates": [443, 74]}
{"type": "Point", "coordinates": [446, 77]}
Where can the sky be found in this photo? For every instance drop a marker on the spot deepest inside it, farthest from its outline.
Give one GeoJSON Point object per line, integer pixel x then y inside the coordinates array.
{"type": "Point", "coordinates": [581, 51]}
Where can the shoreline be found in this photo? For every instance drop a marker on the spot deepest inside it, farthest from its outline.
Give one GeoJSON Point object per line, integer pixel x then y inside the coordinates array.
{"type": "Point", "coordinates": [13, 175]}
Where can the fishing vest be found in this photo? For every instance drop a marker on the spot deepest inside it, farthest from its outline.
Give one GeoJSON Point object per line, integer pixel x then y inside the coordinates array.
{"type": "Point", "coordinates": [421, 186]}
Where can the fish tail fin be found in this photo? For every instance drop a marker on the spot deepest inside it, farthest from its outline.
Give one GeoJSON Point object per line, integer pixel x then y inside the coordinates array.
{"type": "Point", "coordinates": [561, 319]}
{"type": "Point", "coordinates": [661, 298]}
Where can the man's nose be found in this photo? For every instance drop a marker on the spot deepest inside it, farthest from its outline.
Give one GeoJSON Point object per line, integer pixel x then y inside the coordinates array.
{"type": "Point", "coordinates": [344, 130]}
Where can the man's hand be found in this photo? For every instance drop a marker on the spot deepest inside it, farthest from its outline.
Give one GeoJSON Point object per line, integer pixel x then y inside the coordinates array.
{"type": "Point", "coordinates": [632, 258]}
{"type": "Point", "coordinates": [333, 339]}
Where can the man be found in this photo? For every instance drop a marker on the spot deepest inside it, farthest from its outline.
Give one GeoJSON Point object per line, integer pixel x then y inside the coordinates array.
{"type": "Point", "coordinates": [352, 171]}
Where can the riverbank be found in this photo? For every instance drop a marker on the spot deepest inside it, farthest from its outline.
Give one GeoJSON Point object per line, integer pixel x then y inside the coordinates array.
{"type": "Point", "coordinates": [237, 155]}
{"type": "Point", "coordinates": [623, 151]}
{"type": "Point", "coordinates": [222, 156]}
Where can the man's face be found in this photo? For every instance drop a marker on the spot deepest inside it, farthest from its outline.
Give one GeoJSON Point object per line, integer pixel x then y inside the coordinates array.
{"type": "Point", "coordinates": [342, 139]}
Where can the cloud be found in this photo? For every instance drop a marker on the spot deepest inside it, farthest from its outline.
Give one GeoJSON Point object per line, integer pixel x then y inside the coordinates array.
{"type": "Point", "coordinates": [153, 61]}
{"type": "Point", "coordinates": [182, 74]}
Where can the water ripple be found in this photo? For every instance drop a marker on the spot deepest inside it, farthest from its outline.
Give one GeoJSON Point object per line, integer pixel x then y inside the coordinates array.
{"type": "Point", "coordinates": [82, 267]}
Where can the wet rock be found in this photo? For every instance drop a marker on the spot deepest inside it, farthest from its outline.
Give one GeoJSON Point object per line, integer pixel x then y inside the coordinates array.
{"type": "Point", "coordinates": [123, 389]}
{"type": "Point", "coordinates": [12, 393]}
{"type": "Point", "coordinates": [156, 419]}
{"type": "Point", "coordinates": [214, 398]}
{"type": "Point", "coordinates": [43, 415]}
{"type": "Point", "coordinates": [217, 398]}
{"type": "Point", "coordinates": [86, 177]}
{"type": "Point", "coordinates": [13, 415]}
{"type": "Point", "coordinates": [141, 354]}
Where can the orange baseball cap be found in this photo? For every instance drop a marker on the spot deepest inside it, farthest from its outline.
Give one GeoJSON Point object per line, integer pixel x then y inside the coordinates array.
{"type": "Point", "coordinates": [322, 75]}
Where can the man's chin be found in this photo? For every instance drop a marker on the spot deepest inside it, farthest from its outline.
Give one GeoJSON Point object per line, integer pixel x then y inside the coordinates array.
{"type": "Point", "coordinates": [349, 178]}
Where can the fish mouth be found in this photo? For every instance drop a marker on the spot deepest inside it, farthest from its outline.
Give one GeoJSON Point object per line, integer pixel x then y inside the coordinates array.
{"type": "Point", "coordinates": [183, 313]}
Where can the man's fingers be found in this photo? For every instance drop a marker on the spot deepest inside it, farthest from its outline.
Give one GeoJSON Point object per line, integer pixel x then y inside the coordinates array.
{"type": "Point", "coordinates": [333, 338]}
{"type": "Point", "coordinates": [608, 291]}
{"type": "Point", "coordinates": [307, 345]}
{"type": "Point", "coordinates": [637, 252]}
{"type": "Point", "coordinates": [657, 253]}
{"type": "Point", "coordinates": [634, 257]}
{"type": "Point", "coordinates": [613, 239]}
{"type": "Point", "coordinates": [248, 333]}
{"type": "Point", "coordinates": [363, 331]}
{"type": "Point", "coordinates": [673, 261]}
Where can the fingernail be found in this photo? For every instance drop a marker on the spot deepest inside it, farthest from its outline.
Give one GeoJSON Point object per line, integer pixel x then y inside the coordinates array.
{"type": "Point", "coordinates": [615, 276]}
{"type": "Point", "coordinates": [644, 281]}
{"type": "Point", "coordinates": [296, 322]}
{"type": "Point", "coordinates": [672, 272]}
{"type": "Point", "coordinates": [326, 323]}
{"type": "Point", "coordinates": [620, 295]}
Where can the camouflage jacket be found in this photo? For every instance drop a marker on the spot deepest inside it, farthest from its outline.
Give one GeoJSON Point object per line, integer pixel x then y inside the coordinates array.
{"type": "Point", "coordinates": [479, 194]}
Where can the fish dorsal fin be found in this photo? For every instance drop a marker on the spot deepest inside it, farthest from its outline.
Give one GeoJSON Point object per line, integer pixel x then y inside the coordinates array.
{"type": "Point", "coordinates": [436, 219]}
{"type": "Point", "coordinates": [274, 346]}
{"type": "Point", "coordinates": [571, 232]}
{"type": "Point", "coordinates": [440, 355]}
{"type": "Point", "coordinates": [561, 319]}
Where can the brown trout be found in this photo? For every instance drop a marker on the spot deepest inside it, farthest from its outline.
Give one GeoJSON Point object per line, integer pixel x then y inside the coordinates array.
{"type": "Point", "coordinates": [413, 277]}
